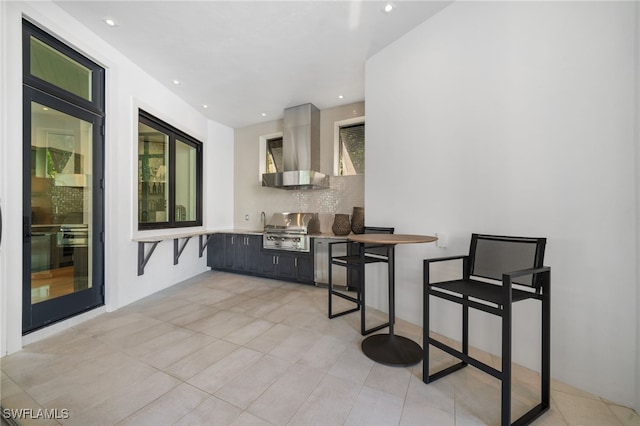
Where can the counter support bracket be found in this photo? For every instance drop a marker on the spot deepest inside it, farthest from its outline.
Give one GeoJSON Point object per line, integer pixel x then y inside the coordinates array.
{"type": "Point", "coordinates": [143, 258]}
{"type": "Point", "coordinates": [177, 249]}
{"type": "Point", "coordinates": [206, 242]}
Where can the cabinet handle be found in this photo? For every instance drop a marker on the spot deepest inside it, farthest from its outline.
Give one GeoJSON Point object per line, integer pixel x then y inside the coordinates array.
{"type": "Point", "coordinates": [273, 260]}
{"type": "Point", "coordinates": [277, 260]}
{"type": "Point", "coordinates": [296, 262]}
{"type": "Point", "coordinates": [232, 240]}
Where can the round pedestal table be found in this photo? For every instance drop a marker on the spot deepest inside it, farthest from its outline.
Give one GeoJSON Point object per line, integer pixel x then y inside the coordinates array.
{"type": "Point", "coordinates": [389, 348]}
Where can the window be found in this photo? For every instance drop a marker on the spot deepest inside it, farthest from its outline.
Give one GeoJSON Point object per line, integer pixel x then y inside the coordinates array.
{"type": "Point", "coordinates": [52, 67]}
{"type": "Point", "coordinates": [350, 148]}
{"type": "Point", "coordinates": [58, 69]}
{"type": "Point", "coordinates": [274, 155]}
{"type": "Point", "coordinates": [169, 176]}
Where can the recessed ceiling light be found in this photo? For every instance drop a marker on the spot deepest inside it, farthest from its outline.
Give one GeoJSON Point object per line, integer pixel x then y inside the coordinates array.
{"type": "Point", "coordinates": [205, 106]}
{"type": "Point", "coordinates": [175, 82]}
{"type": "Point", "coordinates": [389, 7]}
{"type": "Point", "coordinates": [264, 114]}
{"type": "Point", "coordinates": [110, 22]}
{"type": "Point", "coordinates": [45, 109]}
{"type": "Point", "coordinates": [340, 97]}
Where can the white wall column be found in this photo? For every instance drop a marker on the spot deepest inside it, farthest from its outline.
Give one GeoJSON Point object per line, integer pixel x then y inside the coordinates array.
{"type": "Point", "coordinates": [11, 178]}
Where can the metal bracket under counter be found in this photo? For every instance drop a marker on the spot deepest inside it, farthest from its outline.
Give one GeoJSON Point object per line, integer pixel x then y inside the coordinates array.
{"type": "Point", "coordinates": [205, 238]}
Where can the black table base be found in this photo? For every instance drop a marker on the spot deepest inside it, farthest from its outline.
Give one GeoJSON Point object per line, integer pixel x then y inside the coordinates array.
{"type": "Point", "coordinates": [392, 350]}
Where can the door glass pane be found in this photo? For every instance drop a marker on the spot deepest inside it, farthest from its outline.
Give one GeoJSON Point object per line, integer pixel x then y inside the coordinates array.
{"type": "Point", "coordinates": [153, 171]}
{"type": "Point", "coordinates": [61, 203]}
{"type": "Point", "coordinates": [185, 182]}
{"type": "Point", "coordinates": [58, 69]}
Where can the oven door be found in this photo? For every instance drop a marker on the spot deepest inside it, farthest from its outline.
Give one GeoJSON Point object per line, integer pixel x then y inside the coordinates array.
{"type": "Point", "coordinates": [73, 235]}
{"type": "Point", "coordinates": [283, 241]}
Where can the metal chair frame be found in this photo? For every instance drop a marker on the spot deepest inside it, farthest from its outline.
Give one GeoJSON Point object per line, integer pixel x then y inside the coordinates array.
{"type": "Point", "coordinates": [366, 254]}
{"type": "Point", "coordinates": [495, 298]}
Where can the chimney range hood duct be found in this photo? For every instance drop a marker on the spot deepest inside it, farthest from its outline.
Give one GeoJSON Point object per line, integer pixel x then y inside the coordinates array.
{"type": "Point", "coordinates": [300, 151]}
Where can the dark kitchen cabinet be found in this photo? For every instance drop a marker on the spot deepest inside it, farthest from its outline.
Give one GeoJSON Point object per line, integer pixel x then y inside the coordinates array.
{"type": "Point", "coordinates": [277, 264]}
{"type": "Point", "coordinates": [304, 268]}
{"type": "Point", "coordinates": [216, 251]}
{"type": "Point", "coordinates": [229, 251]}
{"type": "Point", "coordinates": [288, 266]}
{"type": "Point", "coordinates": [246, 252]}
{"type": "Point", "coordinates": [235, 252]}
{"type": "Point", "coordinates": [243, 253]}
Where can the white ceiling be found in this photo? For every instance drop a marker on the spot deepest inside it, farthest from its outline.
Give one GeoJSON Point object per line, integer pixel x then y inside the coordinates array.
{"type": "Point", "coordinates": [246, 58]}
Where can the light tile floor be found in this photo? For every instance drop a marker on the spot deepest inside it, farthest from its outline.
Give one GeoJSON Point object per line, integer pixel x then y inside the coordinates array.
{"type": "Point", "coordinates": [224, 349]}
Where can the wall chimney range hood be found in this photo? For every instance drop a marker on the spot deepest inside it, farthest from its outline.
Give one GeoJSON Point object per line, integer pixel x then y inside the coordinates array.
{"type": "Point", "coordinates": [300, 151]}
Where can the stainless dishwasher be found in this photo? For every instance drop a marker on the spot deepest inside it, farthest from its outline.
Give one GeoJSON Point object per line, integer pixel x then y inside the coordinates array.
{"type": "Point", "coordinates": [321, 262]}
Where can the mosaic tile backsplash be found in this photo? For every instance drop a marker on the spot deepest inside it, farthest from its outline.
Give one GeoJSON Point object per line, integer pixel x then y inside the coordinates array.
{"type": "Point", "coordinates": [53, 204]}
{"type": "Point", "coordinates": [345, 193]}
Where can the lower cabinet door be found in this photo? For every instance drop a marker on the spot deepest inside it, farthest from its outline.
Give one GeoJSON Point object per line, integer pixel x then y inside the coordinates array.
{"type": "Point", "coordinates": [253, 261]}
{"type": "Point", "coordinates": [304, 268]}
{"type": "Point", "coordinates": [278, 265]}
{"type": "Point", "coordinates": [268, 264]}
{"type": "Point", "coordinates": [286, 266]}
{"type": "Point", "coordinates": [239, 253]}
{"type": "Point", "coordinates": [215, 251]}
{"type": "Point", "coordinates": [229, 250]}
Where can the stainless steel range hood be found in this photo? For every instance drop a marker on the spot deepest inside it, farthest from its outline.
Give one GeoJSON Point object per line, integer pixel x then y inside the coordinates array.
{"type": "Point", "coordinates": [300, 151]}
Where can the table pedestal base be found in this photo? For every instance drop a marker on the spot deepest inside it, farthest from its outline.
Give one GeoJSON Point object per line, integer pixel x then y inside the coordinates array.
{"type": "Point", "coordinates": [392, 350]}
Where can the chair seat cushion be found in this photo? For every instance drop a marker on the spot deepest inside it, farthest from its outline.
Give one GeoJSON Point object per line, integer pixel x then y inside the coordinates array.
{"type": "Point", "coordinates": [355, 259]}
{"type": "Point", "coordinates": [480, 290]}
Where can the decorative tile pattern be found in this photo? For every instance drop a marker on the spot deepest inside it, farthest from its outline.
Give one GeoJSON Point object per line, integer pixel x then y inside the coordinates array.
{"type": "Point", "coordinates": [345, 193]}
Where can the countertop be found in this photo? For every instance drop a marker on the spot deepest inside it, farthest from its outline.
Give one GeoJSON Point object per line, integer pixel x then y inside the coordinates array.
{"type": "Point", "coordinates": [147, 238]}
{"type": "Point", "coordinates": [257, 232]}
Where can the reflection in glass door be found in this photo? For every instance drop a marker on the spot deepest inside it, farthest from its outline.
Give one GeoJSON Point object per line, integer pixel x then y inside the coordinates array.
{"type": "Point", "coordinates": [61, 203]}
{"type": "Point", "coordinates": [63, 170]}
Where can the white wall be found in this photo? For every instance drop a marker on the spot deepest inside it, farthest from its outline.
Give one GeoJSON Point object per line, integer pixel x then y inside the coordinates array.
{"type": "Point", "coordinates": [127, 89]}
{"type": "Point", "coordinates": [519, 118]}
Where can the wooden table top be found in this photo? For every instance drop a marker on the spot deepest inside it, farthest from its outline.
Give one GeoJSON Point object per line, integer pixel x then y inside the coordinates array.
{"type": "Point", "coordinates": [391, 238]}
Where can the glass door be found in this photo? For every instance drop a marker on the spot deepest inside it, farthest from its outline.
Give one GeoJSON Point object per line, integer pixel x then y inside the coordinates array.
{"type": "Point", "coordinates": [62, 185]}
{"type": "Point", "coordinates": [60, 239]}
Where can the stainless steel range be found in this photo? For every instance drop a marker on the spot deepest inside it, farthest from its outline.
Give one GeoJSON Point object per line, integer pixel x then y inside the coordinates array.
{"type": "Point", "coordinates": [73, 235]}
{"type": "Point", "coordinates": [290, 231]}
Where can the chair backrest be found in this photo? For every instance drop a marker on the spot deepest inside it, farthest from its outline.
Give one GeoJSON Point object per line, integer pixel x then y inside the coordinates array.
{"type": "Point", "coordinates": [492, 255]}
{"type": "Point", "coordinates": [381, 251]}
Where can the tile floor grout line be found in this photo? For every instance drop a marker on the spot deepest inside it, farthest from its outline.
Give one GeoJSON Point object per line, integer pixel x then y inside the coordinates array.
{"type": "Point", "coordinates": [300, 314]}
